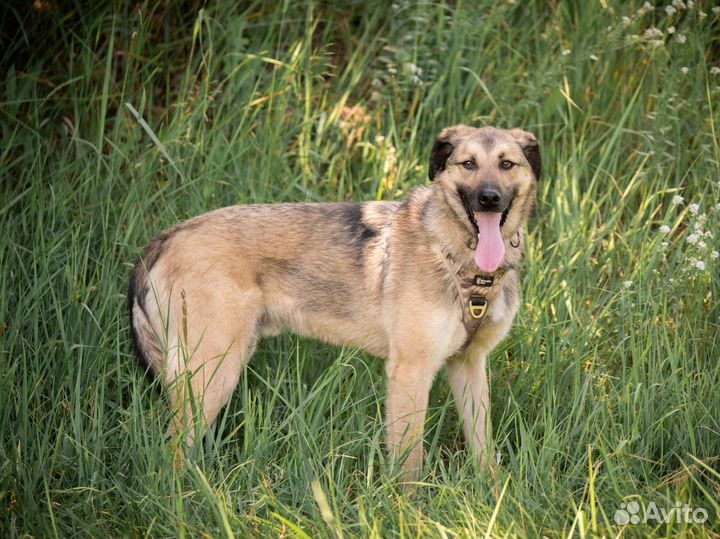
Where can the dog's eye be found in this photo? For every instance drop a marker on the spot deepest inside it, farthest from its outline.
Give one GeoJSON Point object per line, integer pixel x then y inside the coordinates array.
{"type": "Point", "coordinates": [506, 165]}
{"type": "Point", "coordinates": [468, 165]}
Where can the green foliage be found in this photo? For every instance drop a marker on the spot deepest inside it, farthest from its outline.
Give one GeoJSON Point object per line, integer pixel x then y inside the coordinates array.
{"type": "Point", "coordinates": [121, 119]}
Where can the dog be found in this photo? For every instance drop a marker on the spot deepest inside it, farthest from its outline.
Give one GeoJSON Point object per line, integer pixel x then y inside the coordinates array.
{"type": "Point", "coordinates": [427, 283]}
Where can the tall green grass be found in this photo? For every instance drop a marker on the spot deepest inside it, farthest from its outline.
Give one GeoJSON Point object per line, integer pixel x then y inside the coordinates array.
{"type": "Point", "coordinates": [120, 120]}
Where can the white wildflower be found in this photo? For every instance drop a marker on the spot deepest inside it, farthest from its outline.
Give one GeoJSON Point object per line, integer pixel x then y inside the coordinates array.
{"type": "Point", "coordinates": [664, 229]}
{"type": "Point", "coordinates": [671, 30]}
{"type": "Point", "coordinates": [652, 32]}
{"type": "Point", "coordinates": [677, 200]}
{"type": "Point", "coordinates": [702, 245]}
{"type": "Point", "coordinates": [593, 58]}
{"type": "Point", "coordinates": [716, 10]}
{"type": "Point", "coordinates": [566, 52]}
{"type": "Point", "coordinates": [657, 43]}
{"type": "Point", "coordinates": [664, 245]}
{"type": "Point", "coordinates": [692, 238]}
{"type": "Point", "coordinates": [679, 4]}
{"type": "Point", "coordinates": [694, 208]}
{"type": "Point", "coordinates": [690, 4]}
{"type": "Point", "coordinates": [714, 255]}
{"type": "Point", "coordinates": [709, 234]}
{"type": "Point", "coordinates": [670, 10]}
{"type": "Point", "coordinates": [702, 14]}
{"type": "Point", "coordinates": [700, 265]}
{"type": "Point", "coordinates": [628, 284]}
{"type": "Point", "coordinates": [680, 38]}
{"type": "Point", "coordinates": [715, 70]}
{"type": "Point", "coordinates": [412, 68]}
{"type": "Point", "coordinates": [626, 21]}
{"type": "Point", "coordinates": [646, 8]}
{"type": "Point", "coordinates": [671, 280]}
{"type": "Point", "coordinates": [698, 225]}
{"type": "Point", "coordinates": [684, 70]}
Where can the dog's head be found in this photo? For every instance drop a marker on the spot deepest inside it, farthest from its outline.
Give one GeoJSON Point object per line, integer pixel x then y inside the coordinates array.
{"type": "Point", "coordinates": [489, 178]}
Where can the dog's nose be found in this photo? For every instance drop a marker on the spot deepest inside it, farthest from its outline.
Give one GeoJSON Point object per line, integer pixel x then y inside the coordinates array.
{"type": "Point", "coordinates": [489, 199]}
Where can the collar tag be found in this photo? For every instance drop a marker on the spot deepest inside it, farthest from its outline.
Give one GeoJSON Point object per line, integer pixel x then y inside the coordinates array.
{"type": "Point", "coordinates": [484, 280]}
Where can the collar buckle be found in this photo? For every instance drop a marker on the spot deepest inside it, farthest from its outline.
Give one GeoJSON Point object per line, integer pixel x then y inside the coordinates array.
{"type": "Point", "coordinates": [478, 306]}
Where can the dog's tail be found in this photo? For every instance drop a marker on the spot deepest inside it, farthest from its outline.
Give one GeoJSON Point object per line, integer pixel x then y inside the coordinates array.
{"type": "Point", "coordinates": [145, 339]}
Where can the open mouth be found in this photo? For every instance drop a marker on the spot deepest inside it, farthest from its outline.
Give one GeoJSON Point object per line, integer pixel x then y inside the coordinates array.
{"type": "Point", "coordinates": [505, 212]}
{"type": "Point", "coordinates": [471, 214]}
{"type": "Point", "coordinates": [490, 247]}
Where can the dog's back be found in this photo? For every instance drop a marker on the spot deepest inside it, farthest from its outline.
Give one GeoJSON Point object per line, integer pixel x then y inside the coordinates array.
{"type": "Point", "coordinates": [296, 260]}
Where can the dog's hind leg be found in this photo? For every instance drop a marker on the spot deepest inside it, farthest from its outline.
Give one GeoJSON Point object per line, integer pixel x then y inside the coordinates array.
{"type": "Point", "coordinates": [217, 334]}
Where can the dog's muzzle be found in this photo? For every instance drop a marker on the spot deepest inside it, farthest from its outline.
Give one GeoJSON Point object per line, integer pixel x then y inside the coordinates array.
{"type": "Point", "coordinates": [486, 199]}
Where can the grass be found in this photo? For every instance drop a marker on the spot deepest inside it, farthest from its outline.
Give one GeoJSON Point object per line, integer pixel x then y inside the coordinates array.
{"type": "Point", "coordinates": [119, 121]}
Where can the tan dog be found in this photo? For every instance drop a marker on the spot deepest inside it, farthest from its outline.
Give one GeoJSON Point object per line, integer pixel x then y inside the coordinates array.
{"type": "Point", "coordinates": [427, 283]}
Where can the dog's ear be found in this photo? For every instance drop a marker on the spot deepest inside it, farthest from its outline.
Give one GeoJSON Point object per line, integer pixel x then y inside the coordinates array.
{"type": "Point", "coordinates": [531, 148]}
{"type": "Point", "coordinates": [441, 150]}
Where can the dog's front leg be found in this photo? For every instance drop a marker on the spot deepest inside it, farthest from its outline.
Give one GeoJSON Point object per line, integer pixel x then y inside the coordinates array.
{"type": "Point", "coordinates": [408, 387]}
{"type": "Point", "coordinates": [468, 379]}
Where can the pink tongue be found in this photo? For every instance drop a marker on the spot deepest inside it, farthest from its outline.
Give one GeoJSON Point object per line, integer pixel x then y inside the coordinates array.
{"type": "Point", "coordinates": [490, 248]}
